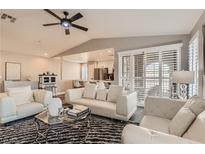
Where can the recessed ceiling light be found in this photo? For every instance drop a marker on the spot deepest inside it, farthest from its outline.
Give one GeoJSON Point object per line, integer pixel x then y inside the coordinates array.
{"type": "Point", "coordinates": [45, 54]}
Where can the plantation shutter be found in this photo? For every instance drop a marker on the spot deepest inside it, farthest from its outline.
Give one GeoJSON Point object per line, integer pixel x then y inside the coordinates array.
{"type": "Point", "coordinates": [148, 71]}
{"type": "Point", "coordinates": [170, 63]}
{"type": "Point", "coordinates": [193, 65]}
{"type": "Point", "coordinates": [152, 73]}
{"type": "Point", "coordinates": [139, 76]}
{"type": "Point", "coordinates": [126, 72]}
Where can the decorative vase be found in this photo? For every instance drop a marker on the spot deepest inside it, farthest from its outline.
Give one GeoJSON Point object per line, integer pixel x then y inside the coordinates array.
{"type": "Point", "coordinates": [54, 107]}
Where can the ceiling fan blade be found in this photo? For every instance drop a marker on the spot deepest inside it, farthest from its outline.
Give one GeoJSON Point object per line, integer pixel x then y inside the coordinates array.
{"type": "Point", "coordinates": [75, 17]}
{"type": "Point", "coordinates": [53, 14]}
{"type": "Point", "coordinates": [79, 27]}
{"type": "Point", "coordinates": [51, 24]}
{"type": "Point", "coordinates": [67, 31]}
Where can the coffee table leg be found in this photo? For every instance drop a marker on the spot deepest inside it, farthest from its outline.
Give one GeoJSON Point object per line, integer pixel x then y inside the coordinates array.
{"type": "Point", "coordinates": [88, 126]}
{"type": "Point", "coordinates": [46, 133]}
{"type": "Point", "coordinates": [58, 137]}
{"type": "Point", "coordinates": [37, 129]}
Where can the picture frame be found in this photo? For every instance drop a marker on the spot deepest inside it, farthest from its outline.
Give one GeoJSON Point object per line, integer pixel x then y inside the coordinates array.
{"type": "Point", "coordinates": [12, 71]}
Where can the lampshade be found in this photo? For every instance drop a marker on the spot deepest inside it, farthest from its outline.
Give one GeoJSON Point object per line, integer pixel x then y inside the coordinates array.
{"type": "Point", "coordinates": [183, 77]}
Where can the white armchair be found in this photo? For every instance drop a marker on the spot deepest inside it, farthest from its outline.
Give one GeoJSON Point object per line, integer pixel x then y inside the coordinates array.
{"type": "Point", "coordinates": [10, 110]}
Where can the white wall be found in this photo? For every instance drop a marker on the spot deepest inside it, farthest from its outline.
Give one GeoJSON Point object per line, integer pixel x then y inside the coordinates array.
{"type": "Point", "coordinates": [32, 66]}
{"type": "Point", "coordinates": [71, 71]}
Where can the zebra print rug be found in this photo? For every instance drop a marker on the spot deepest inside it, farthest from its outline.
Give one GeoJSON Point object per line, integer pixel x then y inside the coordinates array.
{"type": "Point", "coordinates": [101, 130]}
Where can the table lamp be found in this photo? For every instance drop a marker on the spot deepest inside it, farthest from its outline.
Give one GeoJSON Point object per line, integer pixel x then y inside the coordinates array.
{"type": "Point", "coordinates": [183, 78]}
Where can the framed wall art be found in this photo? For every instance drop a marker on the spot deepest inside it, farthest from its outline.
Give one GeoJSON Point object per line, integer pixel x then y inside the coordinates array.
{"type": "Point", "coordinates": [13, 71]}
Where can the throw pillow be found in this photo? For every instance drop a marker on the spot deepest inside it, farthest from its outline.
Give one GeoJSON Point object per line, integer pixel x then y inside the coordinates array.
{"type": "Point", "coordinates": [3, 95]}
{"type": "Point", "coordinates": [76, 83]}
{"type": "Point", "coordinates": [21, 95]}
{"type": "Point", "coordinates": [196, 130]}
{"type": "Point", "coordinates": [101, 85]}
{"type": "Point", "coordinates": [101, 94]}
{"type": "Point", "coordinates": [181, 121]}
{"type": "Point", "coordinates": [196, 105]}
{"type": "Point", "coordinates": [114, 92]}
{"type": "Point", "coordinates": [39, 96]}
{"type": "Point", "coordinates": [90, 91]}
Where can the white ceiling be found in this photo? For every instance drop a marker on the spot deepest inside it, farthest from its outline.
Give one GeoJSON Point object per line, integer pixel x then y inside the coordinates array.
{"type": "Point", "coordinates": [99, 55]}
{"type": "Point", "coordinates": [28, 36]}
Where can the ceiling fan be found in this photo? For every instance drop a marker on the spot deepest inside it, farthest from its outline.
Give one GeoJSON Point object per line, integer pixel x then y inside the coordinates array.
{"type": "Point", "coordinates": [66, 22]}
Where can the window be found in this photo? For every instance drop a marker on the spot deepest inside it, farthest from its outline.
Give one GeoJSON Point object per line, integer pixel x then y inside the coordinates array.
{"type": "Point", "coordinates": [126, 71]}
{"type": "Point", "coordinates": [84, 70]}
{"type": "Point", "coordinates": [170, 62]}
{"type": "Point", "coordinates": [193, 64]}
{"type": "Point", "coordinates": [147, 71]}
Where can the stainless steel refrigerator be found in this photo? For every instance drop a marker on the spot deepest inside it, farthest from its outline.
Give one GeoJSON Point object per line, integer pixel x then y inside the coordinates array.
{"type": "Point", "coordinates": [100, 73]}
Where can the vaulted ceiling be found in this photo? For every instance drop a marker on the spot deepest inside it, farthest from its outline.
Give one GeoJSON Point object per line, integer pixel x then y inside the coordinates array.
{"type": "Point", "coordinates": [97, 55]}
{"type": "Point", "coordinates": [28, 36]}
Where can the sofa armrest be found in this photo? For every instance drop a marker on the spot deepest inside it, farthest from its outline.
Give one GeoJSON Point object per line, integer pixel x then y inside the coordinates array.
{"type": "Point", "coordinates": [72, 94]}
{"type": "Point", "coordinates": [126, 104]}
{"type": "Point", "coordinates": [162, 107]}
{"type": "Point", "coordinates": [7, 107]}
{"type": "Point", "coordinates": [42, 96]}
{"type": "Point", "coordinates": [133, 134]}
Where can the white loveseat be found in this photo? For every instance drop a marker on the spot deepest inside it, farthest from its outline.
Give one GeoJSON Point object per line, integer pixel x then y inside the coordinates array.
{"type": "Point", "coordinates": [104, 102]}
{"type": "Point", "coordinates": [13, 105]}
{"type": "Point", "coordinates": [155, 127]}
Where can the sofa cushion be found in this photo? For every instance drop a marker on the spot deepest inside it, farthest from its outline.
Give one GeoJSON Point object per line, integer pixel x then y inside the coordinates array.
{"type": "Point", "coordinates": [114, 92]}
{"type": "Point", "coordinates": [76, 84]}
{"type": "Point", "coordinates": [90, 91]}
{"type": "Point", "coordinates": [83, 101]}
{"type": "Point", "coordinates": [21, 95]}
{"type": "Point", "coordinates": [196, 130]}
{"type": "Point", "coordinates": [102, 94]}
{"type": "Point", "coordinates": [181, 121]}
{"type": "Point", "coordinates": [101, 85]}
{"type": "Point", "coordinates": [25, 110]}
{"type": "Point", "coordinates": [195, 104]}
{"type": "Point", "coordinates": [103, 108]}
{"type": "Point", "coordinates": [98, 107]}
{"type": "Point", "coordinates": [155, 123]}
{"type": "Point", "coordinates": [3, 95]}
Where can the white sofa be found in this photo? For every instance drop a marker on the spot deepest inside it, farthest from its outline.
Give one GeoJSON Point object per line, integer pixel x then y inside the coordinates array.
{"type": "Point", "coordinates": [10, 110]}
{"type": "Point", "coordinates": [155, 125]}
{"type": "Point", "coordinates": [122, 109]}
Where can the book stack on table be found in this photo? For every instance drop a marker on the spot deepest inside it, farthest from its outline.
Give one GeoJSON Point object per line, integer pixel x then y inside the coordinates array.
{"type": "Point", "coordinates": [78, 110]}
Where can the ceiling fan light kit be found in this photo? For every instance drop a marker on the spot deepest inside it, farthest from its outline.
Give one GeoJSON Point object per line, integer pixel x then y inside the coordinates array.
{"type": "Point", "coordinates": [66, 22]}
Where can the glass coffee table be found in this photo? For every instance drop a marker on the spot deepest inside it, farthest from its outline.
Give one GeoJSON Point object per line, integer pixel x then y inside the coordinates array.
{"type": "Point", "coordinates": [53, 122]}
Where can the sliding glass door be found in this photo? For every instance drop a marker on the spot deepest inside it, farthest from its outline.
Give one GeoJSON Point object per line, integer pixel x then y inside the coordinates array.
{"type": "Point", "coordinates": [147, 71]}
